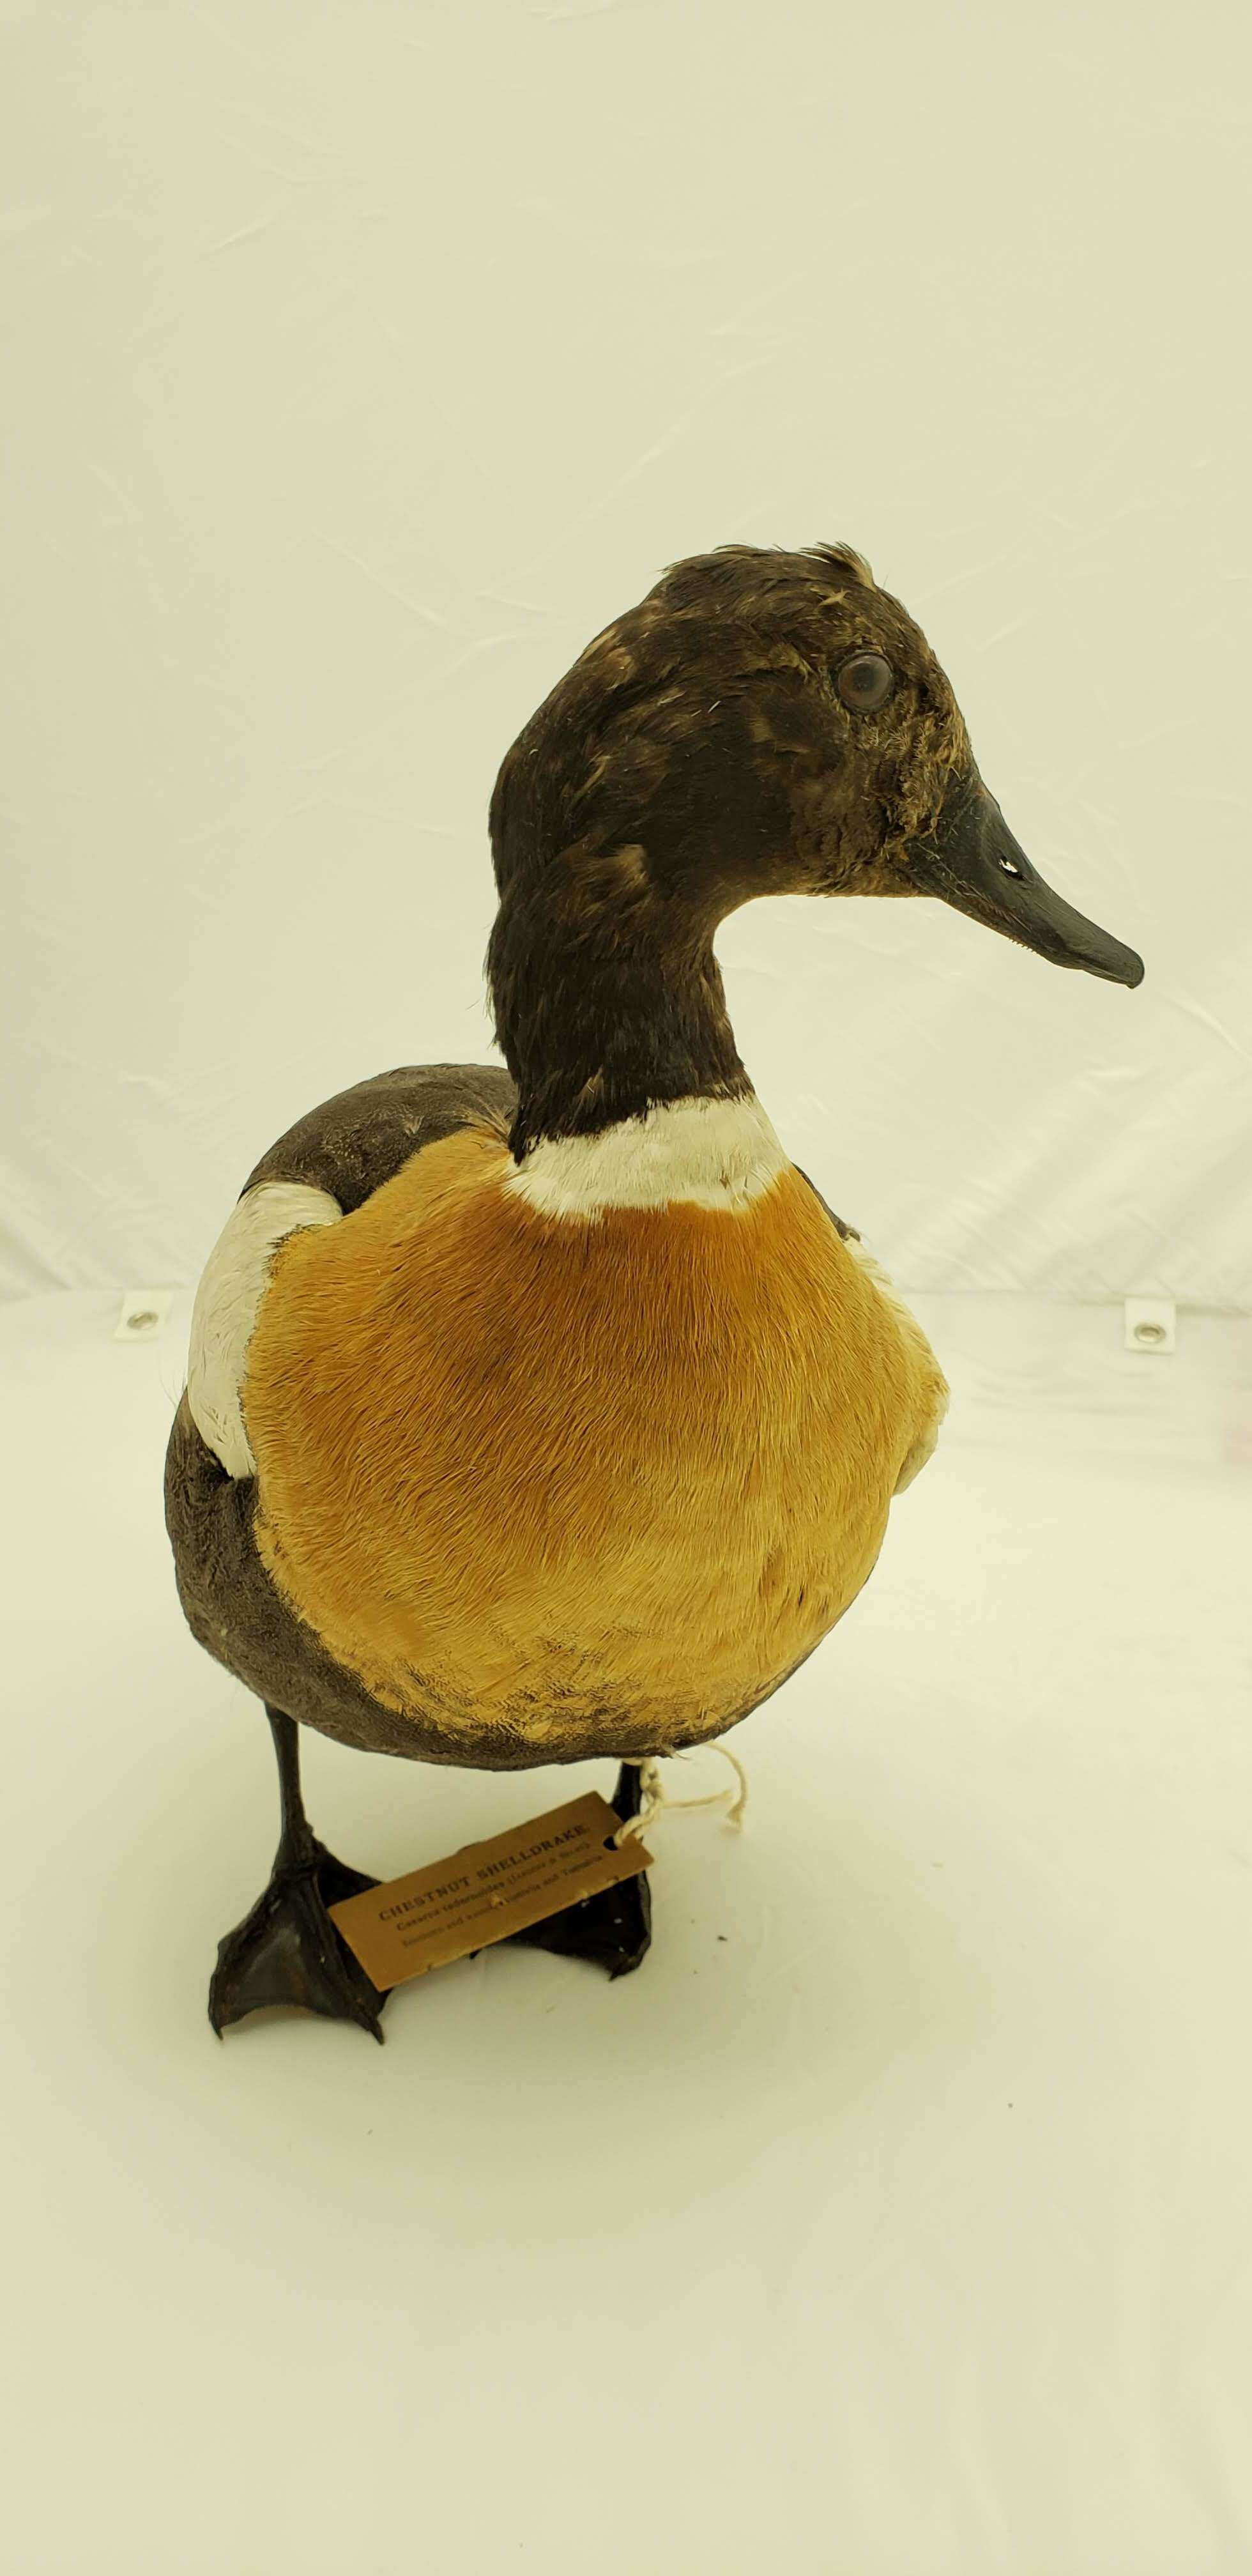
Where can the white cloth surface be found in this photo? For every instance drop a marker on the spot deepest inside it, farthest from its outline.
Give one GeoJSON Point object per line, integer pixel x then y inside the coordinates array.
{"type": "Point", "coordinates": [362, 363]}
{"type": "Point", "coordinates": [891, 2222]}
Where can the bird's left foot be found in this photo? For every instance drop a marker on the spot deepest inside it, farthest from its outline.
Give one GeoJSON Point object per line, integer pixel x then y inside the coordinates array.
{"type": "Point", "coordinates": [612, 1930]}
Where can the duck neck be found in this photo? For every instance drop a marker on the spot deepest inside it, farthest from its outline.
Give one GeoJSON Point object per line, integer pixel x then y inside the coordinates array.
{"type": "Point", "coordinates": [599, 1023]}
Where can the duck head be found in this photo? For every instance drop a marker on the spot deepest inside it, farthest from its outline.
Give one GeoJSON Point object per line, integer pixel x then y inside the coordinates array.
{"type": "Point", "coordinates": [762, 723]}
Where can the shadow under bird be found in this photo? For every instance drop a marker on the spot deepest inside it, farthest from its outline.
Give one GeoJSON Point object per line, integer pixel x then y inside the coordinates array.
{"type": "Point", "coordinates": [550, 1413]}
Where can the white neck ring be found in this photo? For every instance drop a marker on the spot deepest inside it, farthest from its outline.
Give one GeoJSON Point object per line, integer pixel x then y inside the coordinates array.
{"type": "Point", "coordinates": [694, 1153]}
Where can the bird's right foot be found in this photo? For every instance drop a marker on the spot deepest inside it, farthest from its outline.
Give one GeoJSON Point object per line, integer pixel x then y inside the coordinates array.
{"type": "Point", "coordinates": [287, 1950]}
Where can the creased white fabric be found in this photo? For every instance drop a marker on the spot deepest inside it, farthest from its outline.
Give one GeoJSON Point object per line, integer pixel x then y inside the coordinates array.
{"type": "Point", "coordinates": [361, 363]}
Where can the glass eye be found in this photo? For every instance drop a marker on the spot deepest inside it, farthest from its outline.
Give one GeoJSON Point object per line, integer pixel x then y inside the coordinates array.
{"type": "Point", "coordinates": [865, 682]}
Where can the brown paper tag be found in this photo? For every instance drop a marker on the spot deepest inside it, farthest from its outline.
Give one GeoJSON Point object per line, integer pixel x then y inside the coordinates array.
{"type": "Point", "coordinates": [488, 1890]}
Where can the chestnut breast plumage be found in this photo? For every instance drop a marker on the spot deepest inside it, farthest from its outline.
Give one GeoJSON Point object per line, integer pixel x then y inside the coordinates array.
{"type": "Point", "coordinates": [535, 1474]}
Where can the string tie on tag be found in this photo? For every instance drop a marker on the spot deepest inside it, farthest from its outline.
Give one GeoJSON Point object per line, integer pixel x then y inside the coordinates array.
{"type": "Point", "coordinates": [653, 1801]}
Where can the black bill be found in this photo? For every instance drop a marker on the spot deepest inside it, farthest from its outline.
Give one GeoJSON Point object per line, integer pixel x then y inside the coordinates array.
{"type": "Point", "coordinates": [972, 861]}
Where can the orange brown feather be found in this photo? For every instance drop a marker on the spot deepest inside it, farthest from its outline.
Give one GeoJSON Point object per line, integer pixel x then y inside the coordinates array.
{"type": "Point", "coordinates": [543, 1477]}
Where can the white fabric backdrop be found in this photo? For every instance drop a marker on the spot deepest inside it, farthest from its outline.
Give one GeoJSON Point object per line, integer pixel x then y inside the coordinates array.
{"type": "Point", "coordinates": [362, 360]}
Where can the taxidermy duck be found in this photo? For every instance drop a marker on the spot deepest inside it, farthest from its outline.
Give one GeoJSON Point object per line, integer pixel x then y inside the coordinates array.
{"type": "Point", "coordinates": [549, 1414]}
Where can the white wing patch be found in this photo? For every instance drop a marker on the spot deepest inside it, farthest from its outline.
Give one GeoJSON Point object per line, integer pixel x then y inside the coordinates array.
{"type": "Point", "coordinates": [228, 1301]}
{"type": "Point", "coordinates": [699, 1153]}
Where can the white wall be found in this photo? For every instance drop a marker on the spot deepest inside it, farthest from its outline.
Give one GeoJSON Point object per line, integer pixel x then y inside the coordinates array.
{"type": "Point", "coordinates": [362, 360]}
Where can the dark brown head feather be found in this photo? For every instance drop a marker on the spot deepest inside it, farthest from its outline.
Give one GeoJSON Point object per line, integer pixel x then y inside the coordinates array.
{"type": "Point", "coordinates": [696, 755]}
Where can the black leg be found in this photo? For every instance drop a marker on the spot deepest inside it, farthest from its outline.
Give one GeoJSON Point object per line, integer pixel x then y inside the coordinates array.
{"type": "Point", "coordinates": [287, 1951]}
{"type": "Point", "coordinates": [614, 1929]}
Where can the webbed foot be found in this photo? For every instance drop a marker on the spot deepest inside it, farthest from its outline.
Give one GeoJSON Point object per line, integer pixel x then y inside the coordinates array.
{"type": "Point", "coordinates": [287, 1950]}
{"type": "Point", "coordinates": [612, 1930]}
